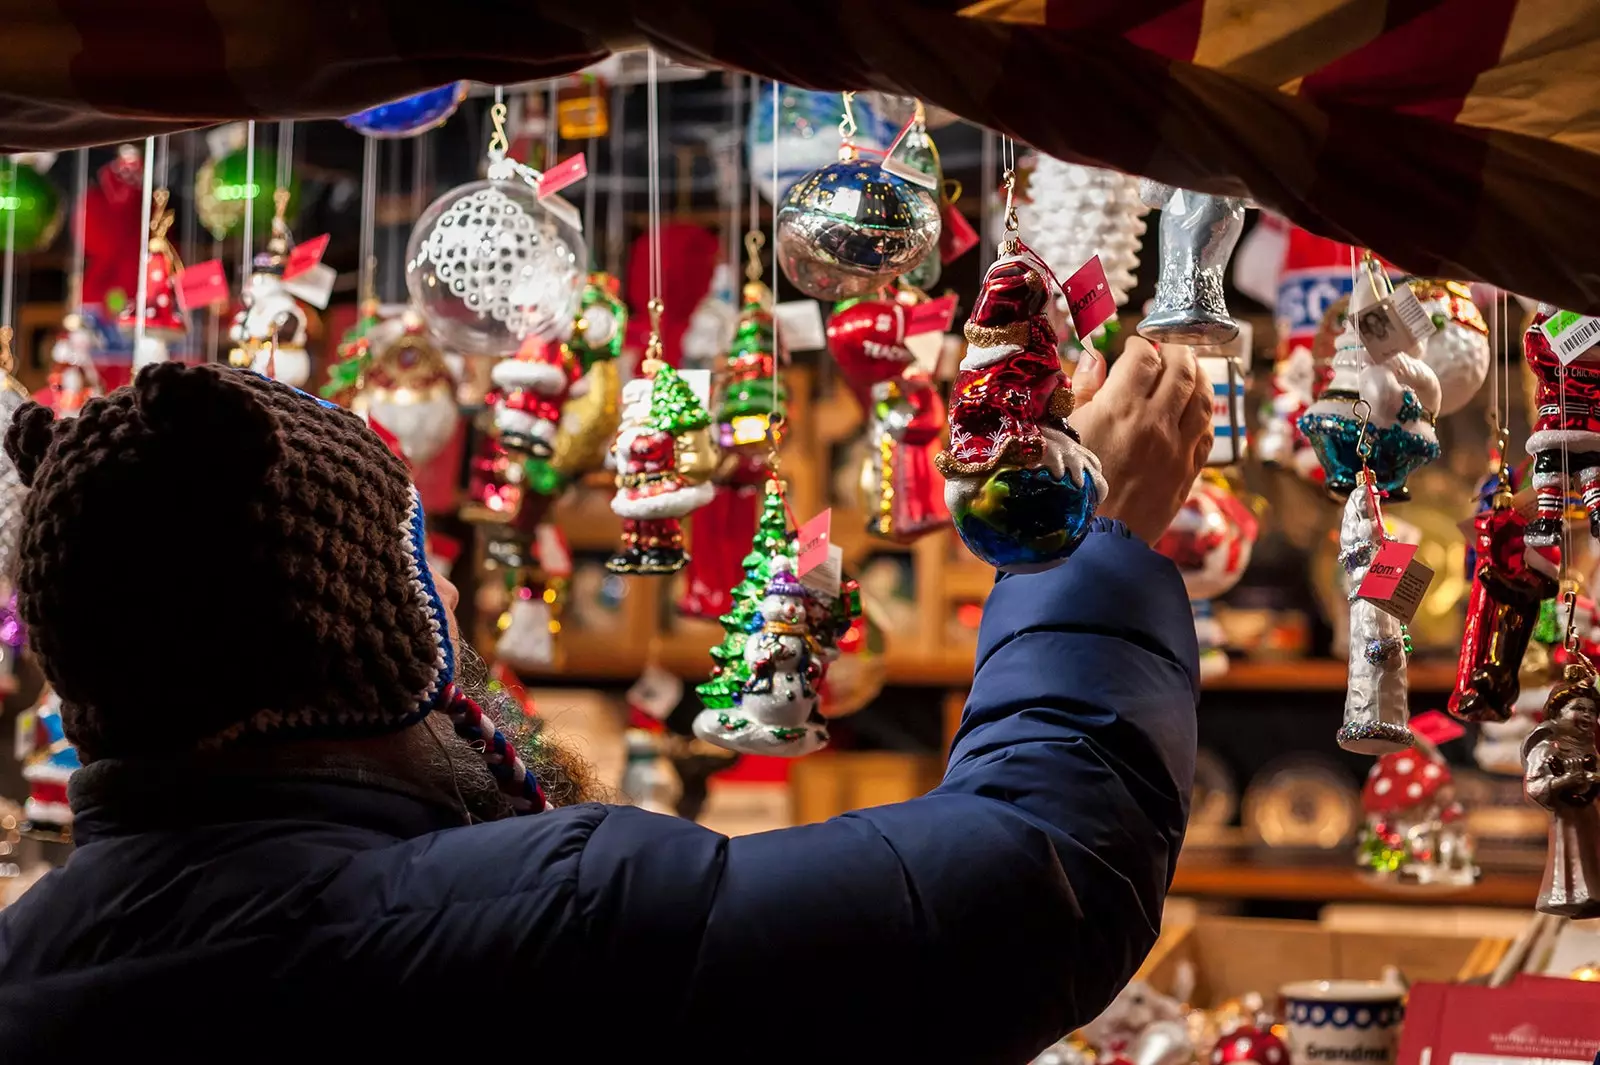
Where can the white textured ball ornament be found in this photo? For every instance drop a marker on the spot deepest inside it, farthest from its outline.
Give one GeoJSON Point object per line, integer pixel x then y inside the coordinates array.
{"type": "Point", "coordinates": [1458, 352]}
{"type": "Point", "coordinates": [1075, 212]}
{"type": "Point", "coordinates": [488, 266]}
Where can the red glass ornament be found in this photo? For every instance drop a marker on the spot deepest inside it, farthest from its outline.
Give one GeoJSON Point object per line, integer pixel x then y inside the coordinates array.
{"type": "Point", "coordinates": [1250, 1044]}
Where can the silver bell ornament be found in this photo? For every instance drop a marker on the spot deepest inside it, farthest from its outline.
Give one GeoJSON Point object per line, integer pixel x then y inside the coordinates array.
{"type": "Point", "coordinates": [1198, 235]}
{"type": "Point", "coordinates": [490, 264]}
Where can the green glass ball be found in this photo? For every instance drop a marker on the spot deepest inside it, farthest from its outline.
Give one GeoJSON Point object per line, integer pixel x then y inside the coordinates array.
{"type": "Point", "coordinates": [220, 193]}
{"type": "Point", "coordinates": [35, 205]}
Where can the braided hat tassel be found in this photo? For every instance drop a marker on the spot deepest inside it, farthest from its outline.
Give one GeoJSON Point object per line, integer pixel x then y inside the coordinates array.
{"type": "Point", "coordinates": [499, 755]}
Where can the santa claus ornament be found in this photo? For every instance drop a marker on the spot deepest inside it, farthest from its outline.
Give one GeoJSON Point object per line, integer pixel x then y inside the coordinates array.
{"type": "Point", "coordinates": [1562, 774]}
{"type": "Point", "coordinates": [1376, 700]}
{"type": "Point", "coordinates": [1565, 442]}
{"type": "Point", "coordinates": [406, 386]}
{"type": "Point", "coordinates": [73, 377]}
{"type": "Point", "coordinates": [664, 458]}
{"type": "Point", "coordinates": [1415, 834]}
{"type": "Point", "coordinates": [1198, 234]}
{"type": "Point", "coordinates": [1019, 485]}
{"type": "Point", "coordinates": [162, 319]}
{"type": "Point", "coordinates": [902, 492]}
{"type": "Point", "coordinates": [48, 762]}
{"type": "Point", "coordinates": [1210, 540]}
{"type": "Point", "coordinates": [269, 332]}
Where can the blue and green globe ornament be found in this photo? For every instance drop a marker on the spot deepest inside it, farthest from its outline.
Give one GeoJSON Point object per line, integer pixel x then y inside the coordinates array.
{"type": "Point", "coordinates": [412, 115]}
{"type": "Point", "coordinates": [33, 204]}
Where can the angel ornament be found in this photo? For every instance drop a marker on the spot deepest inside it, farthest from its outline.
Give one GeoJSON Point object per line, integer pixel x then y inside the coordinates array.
{"type": "Point", "coordinates": [1198, 234]}
{"type": "Point", "coordinates": [1375, 704]}
{"type": "Point", "coordinates": [1561, 774]}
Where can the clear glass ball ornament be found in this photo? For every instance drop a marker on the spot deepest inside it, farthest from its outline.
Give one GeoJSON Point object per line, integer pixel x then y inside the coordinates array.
{"type": "Point", "coordinates": [489, 265]}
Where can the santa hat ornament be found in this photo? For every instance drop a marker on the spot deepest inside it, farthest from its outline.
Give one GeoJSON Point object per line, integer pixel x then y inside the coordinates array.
{"type": "Point", "coordinates": [269, 332]}
{"type": "Point", "coordinates": [1019, 485]}
{"type": "Point", "coordinates": [162, 319]}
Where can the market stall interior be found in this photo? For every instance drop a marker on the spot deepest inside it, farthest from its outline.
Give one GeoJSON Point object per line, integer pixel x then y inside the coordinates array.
{"type": "Point", "coordinates": [673, 355]}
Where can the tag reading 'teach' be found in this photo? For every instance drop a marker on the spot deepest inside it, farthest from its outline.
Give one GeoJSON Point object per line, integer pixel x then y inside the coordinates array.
{"type": "Point", "coordinates": [1396, 582]}
{"type": "Point", "coordinates": [1089, 297]}
{"type": "Point", "coordinates": [811, 542]}
{"type": "Point", "coordinates": [1571, 334]}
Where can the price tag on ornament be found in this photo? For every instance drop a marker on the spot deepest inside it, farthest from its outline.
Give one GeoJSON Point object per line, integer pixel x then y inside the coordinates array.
{"type": "Point", "coordinates": [934, 316]}
{"type": "Point", "coordinates": [1436, 728]}
{"type": "Point", "coordinates": [569, 171]}
{"type": "Point", "coordinates": [203, 284]}
{"type": "Point", "coordinates": [956, 234]}
{"type": "Point", "coordinates": [555, 558]}
{"type": "Point", "coordinates": [1396, 582]}
{"type": "Point", "coordinates": [800, 325]}
{"type": "Point", "coordinates": [656, 693]}
{"type": "Point", "coordinates": [811, 543]}
{"type": "Point", "coordinates": [314, 285]}
{"type": "Point", "coordinates": [1570, 334]}
{"type": "Point", "coordinates": [1394, 324]}
{"type": "Point", "coordinates": [1089, 297]}
{"type": "Point", "coordinates": [562, 208]}
{"type": "Point", "coordinates": [824, 580]}
{"type": "Point", "coordinates": [699, 382]}
{"type": "Point", "coordinates": [304, 256]}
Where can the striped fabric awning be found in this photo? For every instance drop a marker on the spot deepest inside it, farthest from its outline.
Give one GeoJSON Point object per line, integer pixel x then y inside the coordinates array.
{"type": "Point", "coordinates": [1458, 138]}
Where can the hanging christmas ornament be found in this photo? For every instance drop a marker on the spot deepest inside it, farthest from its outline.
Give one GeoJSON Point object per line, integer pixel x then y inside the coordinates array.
{"type": "Point", "coordinates": [1400, 389]}
{"type": "Point", "coordinates": [712, 326]}
{"type": "Point", "coordinates": [648, 779]}
{"type": "Point", "coordinates": [269, 332]}
{"type": "Point", "coordinates": [902, 492]}
{"type": "Point", "coordinates": [1072, 213]}
{"type": "Point", "coordinates": [48, 762]}
{"type": "Point", "coordinates": [849, 228]}
{"type": "Point", "coordinates": [30, 207]}
{"type": "Point", "coordinates": [773, 711]}
{"type": "Point", "coordinates": [916, 158]}
{"type": "Point", "coordinates": [111, 231]}
{"type": "Point", "coordinates": [591, 413]}
{"type": "Point", "coordinates": [221, 189]}
{"type": "Point", "coordinates": [771, 541]}
{"type": "Point", "coordinates": [491, 265]}
{"type": "Point", "coordinates": [1019, 486]}
{"type": "Point", "coordinates": [1375, 706]}
{"type": "Point", "coordinates": [530, 388]}
{"type": "Point", "coordinates": [1458, 352]}
{"type": "Point", "coordinates": [1415, 833]}
{"type": "Point", "coordinates": [802, 137]}
{"type": "Point", "coordinates": [411, 115]}
{"type": "Point", "coordinates": [1563, 776]}
{"type": "Point", "coordinates": [1210, 540]}
{"type": "Point", "coordinates": [1565, 442]}
{"type": "Point", "coordinates": [1256, 1046]}
{"type": "Point", "coordinates": [665, 459]}
{"type": "Point", "coordinates": [857, 672]}
{"type": "Point", "coordinates": [1498, 748]}
{"type": "Point", "coordinates": [1503, 608]}
{"type": "Point", "coordinates": [1198, 234]}
{"type": "Point", "coordinates": [537, 566]}
{"type": "Point", "coordinates": [73, 377]}
{"type": "Point", "coordinates": [162, 319]}
{"type": "Point", "coordinates": [407, 388]}
{"type": "Point", "coordinates": [353, 355]}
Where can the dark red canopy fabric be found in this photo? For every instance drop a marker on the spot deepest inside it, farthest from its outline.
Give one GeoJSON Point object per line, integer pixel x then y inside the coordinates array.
{"type": "Point", "coordinates": [1458, 138]}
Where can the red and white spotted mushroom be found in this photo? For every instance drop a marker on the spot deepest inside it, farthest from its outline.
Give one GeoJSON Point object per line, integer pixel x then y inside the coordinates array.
{"type": "Point", "coordinates": [1404, 780]}
{"type": "Point", "coordinates": [1252, 1045]}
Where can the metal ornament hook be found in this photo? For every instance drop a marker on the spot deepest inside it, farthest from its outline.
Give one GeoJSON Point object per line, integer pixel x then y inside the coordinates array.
{"type": "Point", "coordinates": [652, 347]}
{"type": "Point", "coordinates": [1363, 412]}
{"type": "Point", "coordinates": [754, 241]}
{"type": "Point", "coordinates": [847, 124]}
{"type": "Point", "coordinates": [1569, 599]}
{"type": "Point", "coordinates": [498, 144]}
{"type": "Point", "coordinates": [1009, 240]}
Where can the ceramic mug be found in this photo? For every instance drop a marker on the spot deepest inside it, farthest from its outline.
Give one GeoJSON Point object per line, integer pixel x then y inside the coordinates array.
{"type": "Point", "coordinates": [1343, 1022]}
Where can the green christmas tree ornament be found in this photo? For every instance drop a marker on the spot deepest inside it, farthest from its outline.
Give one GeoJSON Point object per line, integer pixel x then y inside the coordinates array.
{"type": "Point", "coordinates": [771, 541]}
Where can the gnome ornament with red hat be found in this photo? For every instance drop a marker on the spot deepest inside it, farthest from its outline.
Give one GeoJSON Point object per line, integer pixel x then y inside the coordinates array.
{"type": "Point", "coordinates": [1565, 442]}
{"type": "Point", "coordinates": [162, 319]}
{"type": "Point", "coordinates": [1415, 833]}
{"type": "Point", "coordinates": [901, 489]}
{"type": "Point", "coordinates": [1019, 485]}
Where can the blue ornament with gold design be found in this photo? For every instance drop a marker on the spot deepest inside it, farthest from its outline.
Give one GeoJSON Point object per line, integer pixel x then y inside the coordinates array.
{"type": "Point", "coordinates": [412, 115]}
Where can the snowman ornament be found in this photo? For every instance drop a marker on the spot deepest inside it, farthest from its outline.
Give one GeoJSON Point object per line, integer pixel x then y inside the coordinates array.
{"type": "Point", "coordinates": [773, 715]}
{"type": "Point", "coordinates": [269, 332]}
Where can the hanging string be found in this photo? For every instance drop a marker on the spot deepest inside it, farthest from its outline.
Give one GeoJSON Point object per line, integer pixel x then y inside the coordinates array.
{"type": "Point", "coordinates": [730, 233]}
{"type": "Point", "coordinates": [653, 135]}
{"type": "Point", "coordinates": [80, 205]}
{"type": "Point", "coordinates": [755, 191]}
{"type": "Point", "coordinates": [552, 131]}
{"type": "Point", "coordinates": [367, 281]}
{"type": "Point", "coordinates": [285, 154]}
{"type": "Point", "coordinates": [775, 424]}
{"type": "Point", "coordinates": [142, 297]}
{"type": "Point", "coordinates": [9, 276]}
{"type": "Point", "coordinates": [772, 238]}
{"type": "Point", "coordinates": [588, 198]}
{"type": "Point", "coordinates": [614, 192]}
{"type": "Point", "coordinates": [247, 256]}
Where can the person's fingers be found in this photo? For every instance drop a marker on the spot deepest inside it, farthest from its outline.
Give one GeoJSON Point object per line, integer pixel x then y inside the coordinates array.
{"type": "Point", "coordinates": [1202, 454]}
{"type": "Point", "coordinates": [1138, 370]}
{"type": "Point", "coordinates": [1178, 378]}
{"type": "Point", "coordinates": [1196, 413]}
{"type": "Point", "coordinates": [1088, 377]}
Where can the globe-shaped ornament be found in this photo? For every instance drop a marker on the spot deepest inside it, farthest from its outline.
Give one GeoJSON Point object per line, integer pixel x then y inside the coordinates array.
{"type": "Point", "coordinates": [412, 115]}
{"type": "Point", "coordinates": [850, 228]}
{"type": "Point", "coordinates": [489, 265]}
{"type": "Point", "coordinates": [30, 205]}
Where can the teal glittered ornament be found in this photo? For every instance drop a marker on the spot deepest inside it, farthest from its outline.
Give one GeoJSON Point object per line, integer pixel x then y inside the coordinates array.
{"type": "Point", "coordinates": [30, 206]}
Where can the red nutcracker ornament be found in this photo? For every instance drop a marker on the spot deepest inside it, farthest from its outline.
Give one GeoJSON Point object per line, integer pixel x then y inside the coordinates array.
{"type": "Point", "coordinates": [1565, 441]}
{"type": "Point", "coordinates": [901, 490]}
{"type": "Point", "coordinates": [162, 319]}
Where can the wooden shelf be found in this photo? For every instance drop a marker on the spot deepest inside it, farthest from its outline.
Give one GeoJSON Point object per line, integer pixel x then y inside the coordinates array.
{"type": "Point", "coordinates": [1334, 883]}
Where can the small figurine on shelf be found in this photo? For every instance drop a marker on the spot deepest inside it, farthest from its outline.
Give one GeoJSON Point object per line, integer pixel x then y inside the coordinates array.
{"type": "Point", "coordinates": [48, 762]}
{"type": "Point", "coordinates": [1198, 235]}
{"type": "Point", "coordinates": [1375, 706]}
{"type": "Point", "coordinates": [1415, 835]}
{"type": "Point", "coordinates": [74, 379]}
{"type": "Point", "coordinates": [162, 319]}
{"type": "Point", "coordinates": [1565, 442]}
{"type": "Point", "coordinates": [1281, 444]}
{"type": "Point", "coordinates": [665, 460]}
{"type": "Point", "coordinates": [269, 332]}
{"type": "Point", "coordinates": [774, 711]}
{"type": "Point", "coordinates": [771, 540]}
{"type": "Point", "coordinates": [1563, 776]}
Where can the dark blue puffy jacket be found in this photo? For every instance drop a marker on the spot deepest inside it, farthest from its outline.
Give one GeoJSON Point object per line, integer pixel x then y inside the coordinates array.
{"type": "Point", "coordinates": [306, 918]}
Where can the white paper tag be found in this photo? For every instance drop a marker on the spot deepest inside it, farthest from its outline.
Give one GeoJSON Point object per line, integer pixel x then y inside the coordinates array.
{"type": "Point", "coordinates": [1228, 435]}
{"type": "Point", "coordinates": [1394, 324]}
{"type": "Point", "coordinates": [554, 556]}
{"type": "Point", "coordinates": [800, 325]}
{"type": "Point", "coordinates": [902, 169]}
{"type": "Point", "coordinates": [562, 208]}
{"type": "Point", "coordinates": [313, 285]}
{"type": "Point", "coordinates": [845, 202]}
{"type": "Point", "coordinates": [699, 382]}
{"type": "Point", "coordinates": [926, 349]}
{"type": "Point", "coordinates": [825, 577]}
{"type": "Point", "coordinates": [1571, 334]}
{"type": "Point", "coordinates": [656, 692]}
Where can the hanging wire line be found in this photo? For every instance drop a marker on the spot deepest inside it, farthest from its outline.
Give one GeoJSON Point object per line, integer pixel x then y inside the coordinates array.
{"type": "Point", "coordinates": [9, 276]}
{"type": "Point", "coordinates": [772, 238]}
{"type": "Point", "coordinates": [989, 165]}
{"type": "Point", "coordinates": [653, 135]}
{"type": "Point", "coordinates": [366, 280]}
{"type": "Point", "coordinates": [80, 204]}
{"type": "Point", "coordinates": [730, 234]}
{"type": "Point", "coordinates": [755, 191]}
{"type": "Point", "coordinates": [142, 298]}
{"type": "Point", "coordinates": [552, 131]}
{"type": "Point", "coordinates": [247, 256]}
{"type": "Point", "coordinates": [589, 157]}
{"type": "Point", "coordinates": [614, 199]}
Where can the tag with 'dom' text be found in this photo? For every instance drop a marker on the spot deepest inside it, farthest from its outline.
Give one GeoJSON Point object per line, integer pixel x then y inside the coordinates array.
{"type": "Point", "coordinates": [1396, 582]}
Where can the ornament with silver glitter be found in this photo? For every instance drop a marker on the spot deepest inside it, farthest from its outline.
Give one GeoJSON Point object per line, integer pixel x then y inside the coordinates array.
{"type": "Point", "coordinates": [1198, 235]}
{"type": "Point", "coordinates": [1375, 705]}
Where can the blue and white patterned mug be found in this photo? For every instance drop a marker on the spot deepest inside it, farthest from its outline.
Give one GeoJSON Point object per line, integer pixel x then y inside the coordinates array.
{"type": "Point", "coordinates": [1343, 1022]}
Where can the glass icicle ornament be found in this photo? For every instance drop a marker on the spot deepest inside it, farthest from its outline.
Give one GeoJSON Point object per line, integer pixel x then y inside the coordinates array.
{"type": "Point", "coordinates": [490, 264]}
{"type": "Point", "coordinates": [1375, 705]}
{"type": "Point", "coordinates": [1072, 213]}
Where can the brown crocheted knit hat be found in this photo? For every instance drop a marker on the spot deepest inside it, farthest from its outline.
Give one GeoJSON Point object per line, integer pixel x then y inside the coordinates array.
{"type": "Point", "coordinates": [209, 554]}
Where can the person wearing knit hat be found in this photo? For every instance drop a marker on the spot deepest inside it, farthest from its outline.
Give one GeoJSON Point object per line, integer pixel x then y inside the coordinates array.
{"type": "Point", "coordinates": [296, 821]}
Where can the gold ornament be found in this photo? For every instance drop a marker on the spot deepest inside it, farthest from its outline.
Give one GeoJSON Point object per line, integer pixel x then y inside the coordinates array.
{"type": "Point", "coordinates": [589, 423]}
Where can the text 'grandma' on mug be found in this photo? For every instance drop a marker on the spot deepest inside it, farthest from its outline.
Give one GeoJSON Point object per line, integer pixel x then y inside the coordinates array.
{"type": "Point", "coordinates": [1343, 1022]}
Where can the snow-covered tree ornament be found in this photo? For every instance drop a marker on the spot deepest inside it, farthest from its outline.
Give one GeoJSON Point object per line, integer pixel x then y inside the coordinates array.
{"type": "Point", "coordinates": [771, 541]}
{"type": "Point", "coordinates": [1072, 213]}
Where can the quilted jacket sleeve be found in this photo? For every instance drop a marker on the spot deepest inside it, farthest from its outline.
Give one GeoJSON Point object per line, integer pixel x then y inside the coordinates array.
{"type": "Point", "coordinates": [974, 924]}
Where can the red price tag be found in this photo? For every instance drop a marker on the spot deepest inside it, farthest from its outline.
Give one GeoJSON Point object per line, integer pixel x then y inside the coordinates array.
{"type": "Point", "coordinates": [956, 235]}
{"type": "Point", "coordinates": [570, 170]}
{"type": "Point", "coordinates": [1089, 297]}
{"type": "Point", "coordinates": [304, 256]}
{"type": "Point", "coordinates": [1383, 577]}
{"type": "Point", "coordinates": [555, 558]}
{"type": "Point", "coordinates": [203, 284]}
{"type": "Point", "coordinates": [934, 316]}
{"type": "Point", "coordinates": [812, 540]}
{"type": "Point", "coordinates": [1436, 728]}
